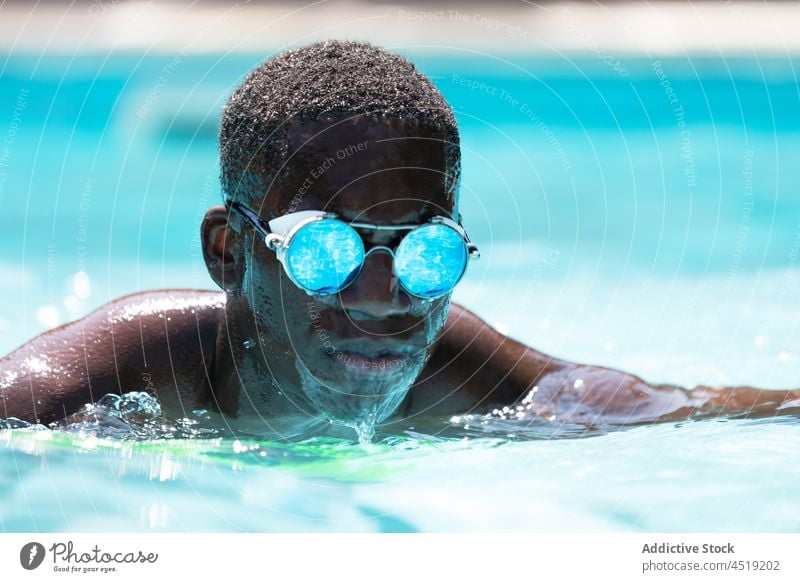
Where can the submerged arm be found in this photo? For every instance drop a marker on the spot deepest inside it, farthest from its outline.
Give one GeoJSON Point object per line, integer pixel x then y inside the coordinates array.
{"type": "Point", "coordinates": [475, 368]}
{"type": "Point", "coordinates": [598, 395]}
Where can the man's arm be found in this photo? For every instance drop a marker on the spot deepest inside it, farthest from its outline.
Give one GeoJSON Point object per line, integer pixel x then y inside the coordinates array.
{"type": "Point", "coordinates": [153, 341]}
{"type": "Point", "coordinates": [475, 368]}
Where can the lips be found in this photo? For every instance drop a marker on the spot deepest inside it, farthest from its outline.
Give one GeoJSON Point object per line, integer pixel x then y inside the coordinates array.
{"type": "Point", "coordinates": [378, 364]}
{"type": "Point", "coordinates": [373, 357]}
{"type": "Point", "coordinates": [366, 348]}
{"type": "Point", "coordinates": [361, 379]}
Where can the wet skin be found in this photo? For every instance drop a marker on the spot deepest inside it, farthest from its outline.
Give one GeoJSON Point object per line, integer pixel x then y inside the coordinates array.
{"type": "Point", "coordinates": [264, 350]}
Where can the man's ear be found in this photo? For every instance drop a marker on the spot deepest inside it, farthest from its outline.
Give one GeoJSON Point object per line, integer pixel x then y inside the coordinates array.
{"type": "Point", "coordinates": [222, 249]}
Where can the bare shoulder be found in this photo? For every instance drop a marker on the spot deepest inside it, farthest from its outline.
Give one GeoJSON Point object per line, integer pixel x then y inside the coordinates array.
{"type": "Point", "coordinates": [474, 367]}
{"type": "Point", "coordinates": [154, 340]}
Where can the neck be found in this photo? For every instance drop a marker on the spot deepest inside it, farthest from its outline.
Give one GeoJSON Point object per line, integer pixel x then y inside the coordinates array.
{"type": "Point", "coordinates": [254, 373]}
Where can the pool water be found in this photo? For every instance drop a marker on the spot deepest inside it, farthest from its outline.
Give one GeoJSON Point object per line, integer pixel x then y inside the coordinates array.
{"type": "Point", "coordinates": [648, 221]}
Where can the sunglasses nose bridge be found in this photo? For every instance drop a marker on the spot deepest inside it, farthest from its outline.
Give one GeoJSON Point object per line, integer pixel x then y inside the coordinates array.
{"type": "Point", "coordinates": [376, 291]}
{"type": "Point", "coordinates": [377, 249]}
{"type": "Point", "coordinates": [378, 266]}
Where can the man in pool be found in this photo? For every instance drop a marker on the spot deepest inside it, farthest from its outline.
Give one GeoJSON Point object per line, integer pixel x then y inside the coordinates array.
{"type": "Point", "coordinates": [337, 250]}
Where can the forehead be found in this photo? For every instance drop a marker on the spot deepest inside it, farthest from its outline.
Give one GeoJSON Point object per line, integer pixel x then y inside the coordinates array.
{"type": "Point", "coordinates": [365, 168]}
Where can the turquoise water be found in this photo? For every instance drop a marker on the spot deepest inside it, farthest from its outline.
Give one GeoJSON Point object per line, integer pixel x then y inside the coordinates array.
{"type": "Point", "coordinates": [649, 222]}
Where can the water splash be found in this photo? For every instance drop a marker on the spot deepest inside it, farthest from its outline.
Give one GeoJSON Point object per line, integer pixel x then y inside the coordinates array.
{"type": "Point", "coordinates": [508, 429]}
{"type": "Point", "coordinates": [364, 429]}
{"type": "Point", "coordinates": [359, 406]}
{"type": "Point", "coordinates": [365, 432]}
{"type": "Point", "coordinates": [131, 416]}
{"type": "Point", "coordinates": [16, 423]}
{"type": "Point", "coordinates": [136, 416]}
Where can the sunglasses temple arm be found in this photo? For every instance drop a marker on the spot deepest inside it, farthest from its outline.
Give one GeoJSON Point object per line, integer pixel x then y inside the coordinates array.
{"type": "Point", "coordinates": [472, 249]}
{"type": "Point", "coordinates": [270, 238]}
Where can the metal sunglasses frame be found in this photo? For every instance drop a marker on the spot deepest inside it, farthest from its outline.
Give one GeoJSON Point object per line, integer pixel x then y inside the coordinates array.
{"type": "Point", "coordinates": [279, 232]}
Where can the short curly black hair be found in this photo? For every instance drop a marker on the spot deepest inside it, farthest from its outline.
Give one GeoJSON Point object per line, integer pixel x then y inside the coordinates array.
{"type": "Point", "coordinates": [324, 80]}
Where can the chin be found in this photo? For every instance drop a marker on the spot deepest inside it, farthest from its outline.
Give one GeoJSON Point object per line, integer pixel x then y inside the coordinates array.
{"type": "Point", "coordinates": [353, 390]}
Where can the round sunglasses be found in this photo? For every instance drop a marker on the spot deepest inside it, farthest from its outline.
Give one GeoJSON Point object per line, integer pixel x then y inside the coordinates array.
{"type": "Point", "coordinates": [322, 254]}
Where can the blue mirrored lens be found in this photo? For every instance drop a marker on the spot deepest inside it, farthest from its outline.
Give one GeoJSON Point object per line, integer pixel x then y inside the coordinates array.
{"type": "Point", "coordinates": [430, 260]}
{"type": "Point", "coordinates": [324, 256]}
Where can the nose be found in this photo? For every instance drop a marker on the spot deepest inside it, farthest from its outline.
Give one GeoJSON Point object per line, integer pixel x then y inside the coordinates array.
{"type": "Point", "coordinates": [376, 292]}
